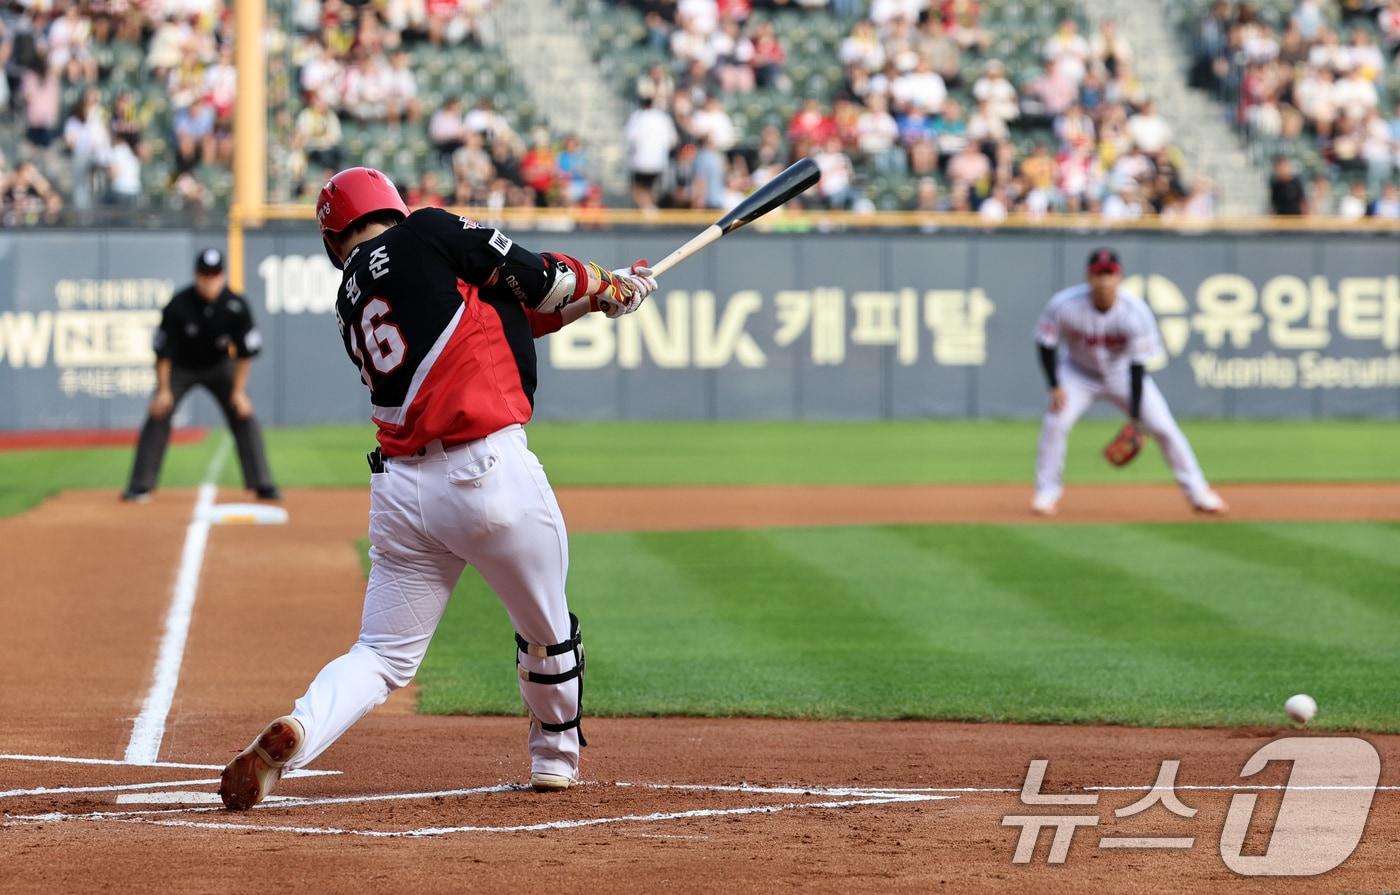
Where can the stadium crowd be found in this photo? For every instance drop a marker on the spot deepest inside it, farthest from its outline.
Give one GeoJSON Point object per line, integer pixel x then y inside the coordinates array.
{"type": "Point", "coordinates": [1313, 78]}
{"type": "Point", "coordinates": [1103, 149]}
{"type": "Point", "coordinates": [58, 56]}
{"type": "Point", "coordinates": [129, 104]}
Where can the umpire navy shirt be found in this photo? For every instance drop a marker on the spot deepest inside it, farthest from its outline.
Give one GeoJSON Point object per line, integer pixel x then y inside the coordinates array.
{"type": "Point", "coordinates": [195, 333]}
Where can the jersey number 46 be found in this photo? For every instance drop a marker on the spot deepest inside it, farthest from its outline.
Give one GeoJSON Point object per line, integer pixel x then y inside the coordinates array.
{"type": "Point", "coordinates": [382, 341]}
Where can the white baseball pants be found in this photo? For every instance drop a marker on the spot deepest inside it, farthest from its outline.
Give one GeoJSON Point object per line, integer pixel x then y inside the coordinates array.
{"type": "Point", "coordinates": [1082, 390]}
{"type": "Point", "coordinates": [486, 503]}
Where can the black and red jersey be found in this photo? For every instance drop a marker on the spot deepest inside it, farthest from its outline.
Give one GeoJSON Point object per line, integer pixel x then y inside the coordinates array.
{"type": "Point", "coordinates": [434, 314]}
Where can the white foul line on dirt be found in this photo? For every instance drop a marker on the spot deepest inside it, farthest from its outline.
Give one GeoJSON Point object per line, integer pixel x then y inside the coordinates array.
{"type": "Point", "coordinates": [124, 787]}
{"type": "Point", "coordinates": [118, 762]}
{"type": "Point", "coordinates": [886, 799]}
{"type": "Point", "coordinates": [857, 796]}
{"type": "Point", "coordinates": [149, 729]}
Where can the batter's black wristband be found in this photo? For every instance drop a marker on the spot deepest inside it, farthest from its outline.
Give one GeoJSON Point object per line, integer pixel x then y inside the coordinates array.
{"type": "Point", "coordinates": [1047, 364]}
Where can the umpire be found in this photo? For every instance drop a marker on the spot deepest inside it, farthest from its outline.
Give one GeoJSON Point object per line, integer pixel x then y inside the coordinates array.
{"type": "Point", "coordinates": [206, 337]}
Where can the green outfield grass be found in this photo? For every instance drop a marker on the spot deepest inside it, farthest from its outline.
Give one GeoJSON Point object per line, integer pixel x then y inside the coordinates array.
{"type": "Point", "coordinates": [1181, 624]}
{"type": "Point", "coordinates": [752, 453]}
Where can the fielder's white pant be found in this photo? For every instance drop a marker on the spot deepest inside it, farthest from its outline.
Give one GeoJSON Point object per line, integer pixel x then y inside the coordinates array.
{"type": "Point", "coordinates": [1081, 390]}
{"type": "Point", "coordinates": [486, 503]}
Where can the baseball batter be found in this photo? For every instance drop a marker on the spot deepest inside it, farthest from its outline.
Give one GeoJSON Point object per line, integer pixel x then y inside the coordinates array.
{"type": "Point", "coordinates": [1108, 336]}
{"type": "Point", "coordinates": [439, 316]}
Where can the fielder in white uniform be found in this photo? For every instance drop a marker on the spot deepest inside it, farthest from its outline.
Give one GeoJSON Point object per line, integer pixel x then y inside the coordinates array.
{"type": "Point", "coordinates": [1108, 337]}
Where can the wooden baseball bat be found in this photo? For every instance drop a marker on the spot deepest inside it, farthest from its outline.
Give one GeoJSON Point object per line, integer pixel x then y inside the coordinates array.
{"type": "Point", "coordinates": [793, 180]}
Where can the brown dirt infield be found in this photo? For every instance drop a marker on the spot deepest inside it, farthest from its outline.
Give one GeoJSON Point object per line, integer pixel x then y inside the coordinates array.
{"type": "Point", "coordinates": [88, 584]}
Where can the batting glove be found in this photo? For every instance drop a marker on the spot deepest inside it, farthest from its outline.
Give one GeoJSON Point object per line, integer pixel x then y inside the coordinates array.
{"type": "Point", "coordinates": [623, 290]}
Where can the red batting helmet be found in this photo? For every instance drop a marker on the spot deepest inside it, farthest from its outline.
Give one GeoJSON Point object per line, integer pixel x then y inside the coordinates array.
{"type": "Point", "coordinates": [349, 196]}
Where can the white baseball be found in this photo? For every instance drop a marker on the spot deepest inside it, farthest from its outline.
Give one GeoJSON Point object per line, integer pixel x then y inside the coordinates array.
{"type": "Point", "coordinates": [1301, 708]}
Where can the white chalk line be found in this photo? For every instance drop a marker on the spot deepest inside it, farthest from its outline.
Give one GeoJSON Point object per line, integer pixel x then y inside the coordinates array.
{"type": "Point", "coordinates": [423, 832]}
{"type": "Point", "coordinates": [149, 728]}
{"type": "Point", "coordinates": [855, 796]}
{"type": "Point", "coordinates": [300, 802]}
{"type": "Point", "coordinates": [124, 787]}
{"type": "Point", "coordinates": [117, 762]}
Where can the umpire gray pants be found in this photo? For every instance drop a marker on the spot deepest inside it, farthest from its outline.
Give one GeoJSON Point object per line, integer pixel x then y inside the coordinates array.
{"type": "Point", "coordinates": [155, 434]}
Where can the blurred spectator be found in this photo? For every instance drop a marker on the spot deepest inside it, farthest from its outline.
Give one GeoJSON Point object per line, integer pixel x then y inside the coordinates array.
{"type": "Point", "coordinates": [657, 85]}
{"type": "Point", "coordinates": [995, 208]}
{"type": "Point", "coordinates": [961, 20]}
{"type": "Point", "coordinates": [835, 187]}
{"type": "Point", "coordinates": [69, 42]}
{"type": "Point", "coordinates": [734, 54]}
{"type": "Point", "coordinates": [769, 57]}
{"type": "Point", "coordinates": [538, 170]}
{"type": "Point", "coordinates": [472, 170]}
{"type": "Point", "coordinates": [1319, 203]}
{"type": "Point", "coordinates": [39, 87]}
{"type": "Point", "coordinates": [997, 92]}
{"type": "Point", "coordinates": [446, 129]}
{"type": "Point", "coordinates": [1353, 205]}
{"type": "Point", "coordinates": [1387, 206]}
{"type": "Point", "coordinates": [877, 136]}
{"type": "Point", "coordinates": [426, 193]}
{"type": "Point", "coordinates": [572, 167]}
{"type": "Point", "coordinates": [401, 90]}
{"type": "Point", "coordinates": [811, 124]}
{"type": "Point", "coordinates": [711, 122]}
{"type": "Point", "coordinates": [318, 134]}
{"type": "Point", "coordinates": [1111, 50]}
{"type": "Point", "coordinates": [926, 196]}
{"type": "Point", "coordinates": [710, 176]}
{"type": "Point", "coordinates": [920, 89]}
{"type": "Point", "coordinates": [1389, 22]}
{"type": "Point", "coordinates": [1148, 130]}
{"type": "Point", "coordinates": [194, 135]}
{"type": "Point", "coordinates": [678, 180]}
{"type": "Point", "coordinates": [650, 136]}
{"type": "Point", "coordinates": [86, 135]}
{"type": "Point", "coordinates": [1068, 49]}
{"type": "Point", "coordinates": [1124, 205]}
{"type": "Point", "coordinates": [1285, 190]}
{"type": "Point", "coordinates": [28, 198]}
{"type": "Point", "coordinates": [492, 125]}
{"type": "Point", "coordinates": [124, 173]}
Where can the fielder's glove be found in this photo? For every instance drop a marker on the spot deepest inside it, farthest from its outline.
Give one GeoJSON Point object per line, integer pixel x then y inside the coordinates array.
{"type": "Point", "coordinates": [1124, 446]}
{"type": "Point", "coordinates": [622, 291]}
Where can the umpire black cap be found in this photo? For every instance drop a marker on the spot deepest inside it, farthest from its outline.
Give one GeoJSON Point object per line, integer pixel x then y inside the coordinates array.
{"type": "Point", "coordinates": [209, 261]}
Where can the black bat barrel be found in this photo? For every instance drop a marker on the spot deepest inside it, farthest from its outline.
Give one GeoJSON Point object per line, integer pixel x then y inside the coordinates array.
{"type": "Point", "coordinates": [793, 180]}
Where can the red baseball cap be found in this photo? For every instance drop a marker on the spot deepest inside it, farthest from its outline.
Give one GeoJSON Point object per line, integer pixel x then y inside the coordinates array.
{"type": "Point", "coordinates": [1104, 261]}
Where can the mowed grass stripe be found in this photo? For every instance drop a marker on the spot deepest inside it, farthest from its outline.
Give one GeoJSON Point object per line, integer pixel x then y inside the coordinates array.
{"type": "Point", "coordinates": [1117, 616]}
{"type": "Point", "coordinates": [1280, 633]}
{"type": "Point", "coordinates": [958, 642]}
{"type": "Point", "coordinates": [738, 453]}
{"type": "Point", "coordinates": [1144, 624]}
{"type": "Point", "coordinates": [1329, 545]}
{"type": "Point", "coordinates": [1231, 578]}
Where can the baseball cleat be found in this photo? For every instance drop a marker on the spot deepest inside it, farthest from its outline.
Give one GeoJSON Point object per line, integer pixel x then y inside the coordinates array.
{"type": "Point", "coordinates": [252, 774]}
{"type": "Point", "coordinates": [1211, 504]}
{"type": "Point", "coordinates": [549, 782]}
{"type": "Point", "coordinates": [1044, 505]}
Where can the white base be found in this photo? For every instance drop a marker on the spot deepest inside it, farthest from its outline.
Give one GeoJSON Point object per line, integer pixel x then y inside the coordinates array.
{"type": "Point", "coordinates": [244, 514]}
